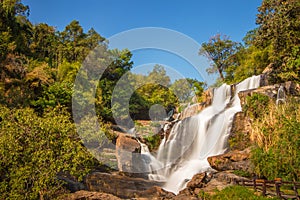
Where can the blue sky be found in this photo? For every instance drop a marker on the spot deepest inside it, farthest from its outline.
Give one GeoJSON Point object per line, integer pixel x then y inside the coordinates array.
{"type": "Point", "coordinates": [197, 19]}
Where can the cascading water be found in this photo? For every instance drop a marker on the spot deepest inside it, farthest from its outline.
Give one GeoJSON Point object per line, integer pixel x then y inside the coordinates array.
{"type": "Point", "coordinates": [184, 152]}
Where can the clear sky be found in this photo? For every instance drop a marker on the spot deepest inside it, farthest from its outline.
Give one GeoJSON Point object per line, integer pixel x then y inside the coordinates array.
{"type": "Point", "coordinates": [198, 19]}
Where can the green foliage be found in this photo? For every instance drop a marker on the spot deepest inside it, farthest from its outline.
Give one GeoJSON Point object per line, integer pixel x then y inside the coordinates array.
{"type": "Point", "coordinates": [34, 149]}
{"type": "Point", "coordinates": [239, 140]}
{"type": "Point", "coordinates": [57, 94]}
{"type": "Point", "coordinates": [232, 192]}
{"type": "Point", "coordinates": [15, 28]}
{"type": "Point", "coordinates": [242, 173]}
{"type": "Point", "coordinates": [145, 91]}
{"type": "Point", "coordinates": [279, 23]}
{"type": "Point", "coordinates": [276, 134]}
{"type": "Point", "coordinates": [153, 141]}
{"type": "Point", "coordinates": [256, 105]}
{"type": "Point", "coordinates": [249, 61]}
{"type": "Point", "coordinates": [66, 72]}
{"type": "Point", "coordinates": [220, 51]}
{"type": "Point", "coordinates": [186, 89]}
{"type": "Point", "coordinates": [120, 64]}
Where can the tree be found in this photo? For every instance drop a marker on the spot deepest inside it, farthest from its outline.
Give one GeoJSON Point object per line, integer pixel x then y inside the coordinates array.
{"type": "Point", "coordinates": [120, 64]}
{"type": "Point", "coordinates": [156, 89]}
{"type": "Point", "coordinates": [249, 61]}
{"type": "Point", "coordinates": [186, 89]}
{"type": "Point", "coordinates": [75, 44]}
{"type": "Point", "coordinates": [44, 43]}
{"type": "Point", "coordinates": [220, 50]}
{"type": "Point", "coordinates": [15, 28]}
{"type": "Point", "coordinates": [279, 24]}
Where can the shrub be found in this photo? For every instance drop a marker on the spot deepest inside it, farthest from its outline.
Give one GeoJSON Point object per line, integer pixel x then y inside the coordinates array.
{"type": "Point", "coordinates": [256, 105]}
{"type": "Point", "coordinates": [153, 141]}
{"type": "Point", "coordinates": [34, 149]}
{"type": "Point", "coordinates": [277, 137]}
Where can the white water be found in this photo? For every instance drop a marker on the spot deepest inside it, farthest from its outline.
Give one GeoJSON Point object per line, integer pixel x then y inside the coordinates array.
{"type": "Point", "coordinates": [191, 141]}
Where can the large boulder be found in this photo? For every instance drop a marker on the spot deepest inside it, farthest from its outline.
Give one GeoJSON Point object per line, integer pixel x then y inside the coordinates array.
{"type": "Point", "coordinates": [118, 185]}
{"type": "Point", "coordinates": [193, 187]}
{"type": "Point", "coordinates": [126, 148]}
{"type": "Point", "coordinates": [234, 160]}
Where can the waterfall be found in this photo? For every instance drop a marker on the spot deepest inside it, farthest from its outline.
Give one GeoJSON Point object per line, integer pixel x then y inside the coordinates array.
{"type": "Point", "coordinates": [184, 152]}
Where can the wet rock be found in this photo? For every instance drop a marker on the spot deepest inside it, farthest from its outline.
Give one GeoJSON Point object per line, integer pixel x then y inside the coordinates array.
{"type": "Point", "coordinates": [197, 181]}
{"type": "Point", "coordinates": [195, 108]}
{"type": "Point", "coordinates": [193, 187]}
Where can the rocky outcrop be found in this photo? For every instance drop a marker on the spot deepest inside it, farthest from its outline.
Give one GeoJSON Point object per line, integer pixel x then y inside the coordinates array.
{"type": "Point", "coordinates": [88, 195]}
{"type": "Point", "coordinates": [239, 138]}
{"type": "Point", "coordinates": [233, 160]}
{"type": "Point", "coordinates": [290, 88]}
{"type": "Point", "coordinates": [126, 147]}
{"type": "Point", "coordinates": [155, 192]}
{"type": "Point", "coordinates": [118, 185]}
{"type": "Point", "coordinates": [193, 187]}
{"type": "Point", "coordinates": [195, 108]}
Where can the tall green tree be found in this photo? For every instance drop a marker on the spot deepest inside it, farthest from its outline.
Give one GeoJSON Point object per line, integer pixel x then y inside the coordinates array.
{"type": "Point", "coordinates": [44, 43]}
{"type": "Point", "coordinates": [279, 27]}
{"type": "Point", "coordinates": [220, 50]}
{"type": "Point", "coordinates": [15, 28]}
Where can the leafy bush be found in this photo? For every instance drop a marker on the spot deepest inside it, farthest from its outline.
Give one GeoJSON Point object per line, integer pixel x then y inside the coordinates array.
{"type": "Point", "coordinates": [153, 141]}
{"type": "Point", "coordinates": [276, 134]}
{"type": "Point", "coordinates": [34, 149]}
{"type": "Point", "coordinates": [57, 94]}
{"type": "Point", "coordinates": [256, 105]}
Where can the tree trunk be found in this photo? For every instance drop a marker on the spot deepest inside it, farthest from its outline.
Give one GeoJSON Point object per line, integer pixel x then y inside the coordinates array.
{"type": "Point", "coordinates": [221, 74]}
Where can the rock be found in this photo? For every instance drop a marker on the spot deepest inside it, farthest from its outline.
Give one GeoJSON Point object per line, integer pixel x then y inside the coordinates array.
{"type": "Point", "coordinates": [221, 180]}
{"type": "Point", "coordinates": [193, 187]}
{"type": "Point", "coordinates": [126, 147]}
{"type": "Point", "coordinates": [156, 192]}
{"type": "Point", "coordinates": [214, 185]}
{"type": "Point", "coordinates": [87, 195]}
{"type": "Point", "coordinates": [194, 109]}
{"type": "Point", "coordinates": [197, 181]}
{"type": "Point", "coordinates": [71, 185]}
{"type": "Point", "coordinates": [291, 88]}
{"type": "Point", "coordinates": [121, 186]}
{"type": "Point", "coordinates": [191, 110]}
{"type": "Point", "coordinates": [234, 160]}
{"type": "Point", "coordinates": [239, 138]}
{"type": "Point", "coordinates": [228, 177]}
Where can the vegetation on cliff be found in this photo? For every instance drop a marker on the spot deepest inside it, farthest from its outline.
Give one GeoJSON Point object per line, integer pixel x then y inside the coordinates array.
{"type": "Point", "coordinates": [276, 136]}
